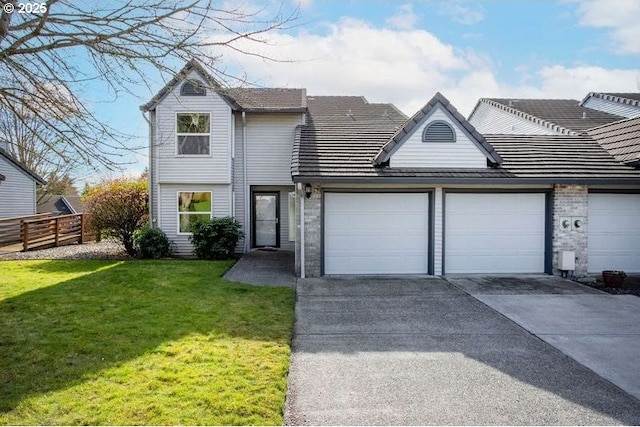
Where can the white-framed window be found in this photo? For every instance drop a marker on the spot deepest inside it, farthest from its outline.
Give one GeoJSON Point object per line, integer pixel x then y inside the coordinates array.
{"type": "Point", "coordinates": [193, 206]}
{"type": "Point", "coordinates": [193, 134]}
{"type": "Point", "coordinates": [292, 216]}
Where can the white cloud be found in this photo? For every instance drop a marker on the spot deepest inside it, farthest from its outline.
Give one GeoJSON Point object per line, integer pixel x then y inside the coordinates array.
{"type": "Point", "coordinates": [466, 15]}
{"type": "Point", "coordinates": [404, 18]}
{"type": "Point", "coordinates": [622, 17]}
{"type": "Point", "coordinates": [407, 67]}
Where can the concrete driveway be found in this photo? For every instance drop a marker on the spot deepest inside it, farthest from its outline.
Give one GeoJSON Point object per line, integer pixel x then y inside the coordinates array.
{"type": "Point", "coordinates": [423, 351]}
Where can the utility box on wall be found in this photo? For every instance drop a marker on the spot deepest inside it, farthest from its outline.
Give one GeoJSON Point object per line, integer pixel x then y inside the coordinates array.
{"type": "Point", "coordinates": [567, 260]}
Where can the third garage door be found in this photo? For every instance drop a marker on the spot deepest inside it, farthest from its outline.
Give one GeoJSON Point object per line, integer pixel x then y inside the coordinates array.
{"type": "Point", "coordinates": [494, 233]}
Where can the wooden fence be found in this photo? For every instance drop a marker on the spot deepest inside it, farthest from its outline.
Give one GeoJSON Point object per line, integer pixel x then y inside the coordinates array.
{"type": "Point", "coordinates": [45, 230]}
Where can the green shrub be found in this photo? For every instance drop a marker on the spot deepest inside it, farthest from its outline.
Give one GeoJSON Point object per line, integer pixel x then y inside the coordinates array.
{"type": "Point", "coordinates": [216, 238]}
{"type": "Point", "coordinates": [152, 243]}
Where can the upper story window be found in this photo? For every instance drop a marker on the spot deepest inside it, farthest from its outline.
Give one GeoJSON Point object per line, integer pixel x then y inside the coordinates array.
{"type": "Point", "coordinates": [439, 131]}
{"type": "Point", "coordinates": [193, 134]}
{"type": "Point", "coordinates": [193, 88]}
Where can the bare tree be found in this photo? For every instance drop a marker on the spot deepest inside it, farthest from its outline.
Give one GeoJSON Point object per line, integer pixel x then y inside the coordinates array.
{"type": "Point", "coordinates": [50, 51]}
{"type": "Point", "coordinates": [23, 135]}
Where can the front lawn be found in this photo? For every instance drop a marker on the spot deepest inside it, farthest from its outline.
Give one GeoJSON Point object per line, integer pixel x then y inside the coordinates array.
{"type": "Point", "coordinates": [140, 342]}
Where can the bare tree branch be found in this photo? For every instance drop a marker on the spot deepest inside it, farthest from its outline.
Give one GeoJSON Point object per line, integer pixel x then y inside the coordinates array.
{"type": "Point", "coordinates": [48, 57]}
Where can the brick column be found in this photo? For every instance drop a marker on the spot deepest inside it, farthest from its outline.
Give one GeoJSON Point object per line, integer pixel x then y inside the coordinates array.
{"type": "Point", "coordinates": [570, 202]}
{"type": "Point", "coordinates": [312, 228]}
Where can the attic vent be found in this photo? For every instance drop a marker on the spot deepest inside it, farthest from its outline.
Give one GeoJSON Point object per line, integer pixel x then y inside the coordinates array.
{"type": "Point", "coordinates": [193, 88]}
{"type": "Point", "coordinates": [439, 131]}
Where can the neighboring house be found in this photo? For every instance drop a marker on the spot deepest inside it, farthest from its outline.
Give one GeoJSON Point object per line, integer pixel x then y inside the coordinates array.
{"type": "Point", "coordinates": [17, 187]}
{"type": "Point", "coordinates": [357, 188]}
{"type": "Point", "coordinates": [60, 205]}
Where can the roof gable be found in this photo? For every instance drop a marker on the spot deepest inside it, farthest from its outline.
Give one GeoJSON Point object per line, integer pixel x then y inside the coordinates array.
{"type": "Point", "coordinates": [419, 119]}
{"type": "Point", "coordinates": [21, 167]}
{"type": "Point", "coordinates": [192, 66]}
{"type": "Point", "coordinates": [239, 99]}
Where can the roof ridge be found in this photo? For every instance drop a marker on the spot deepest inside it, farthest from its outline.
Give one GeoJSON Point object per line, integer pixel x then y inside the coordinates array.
{"type": "Point", "coordinates": [612, 96]}
{"type": "Point", "coordinates": [530, 117]}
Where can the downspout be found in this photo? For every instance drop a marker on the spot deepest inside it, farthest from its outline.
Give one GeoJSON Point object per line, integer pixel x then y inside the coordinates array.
{"type": "Point", "coordinates": [302, 268]}
{"type": "Point", "coordinates": [247, 228]}
{"type": "Point", "coordinates": [151, 170]}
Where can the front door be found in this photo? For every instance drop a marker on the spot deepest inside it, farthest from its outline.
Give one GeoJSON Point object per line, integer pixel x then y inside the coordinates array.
{"type": "Point", "coordinates": [266, 219]}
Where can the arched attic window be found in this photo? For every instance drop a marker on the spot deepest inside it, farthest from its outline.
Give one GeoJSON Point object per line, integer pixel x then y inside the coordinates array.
{"type": "Point", "coordinates": [439, 131]}
{"type": "Point", "coordinates": [193, 88]}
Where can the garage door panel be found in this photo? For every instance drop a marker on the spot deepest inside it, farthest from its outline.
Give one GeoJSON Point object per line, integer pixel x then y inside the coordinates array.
{"type": "Point", "coordinates": [494, 232]}
{"type": "Point", "coordinates": [613, 232]}
{"type": "Point", "coordinates": [375, 233]}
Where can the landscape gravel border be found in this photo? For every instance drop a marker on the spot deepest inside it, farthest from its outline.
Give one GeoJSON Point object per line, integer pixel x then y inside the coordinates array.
{"type": "Point", "coordinates": [105, 249]}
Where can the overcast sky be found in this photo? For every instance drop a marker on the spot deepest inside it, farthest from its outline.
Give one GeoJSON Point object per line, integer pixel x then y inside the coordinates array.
{"type": "Point", "coordinates": [404, 52]}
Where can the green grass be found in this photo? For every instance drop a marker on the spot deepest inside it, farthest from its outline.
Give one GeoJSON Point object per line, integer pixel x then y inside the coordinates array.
{"type": "Point", "coordinates": [140, 342]}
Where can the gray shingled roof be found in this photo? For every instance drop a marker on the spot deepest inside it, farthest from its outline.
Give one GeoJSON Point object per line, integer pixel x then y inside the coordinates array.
{"type": "Point", "coordinates": [269, 99]}
{"type": "Point", "coordinates": [621, 139]}
{"type": "Point", "coordinates": [343, 134]}
{"type": "Point", "coordinates": [248, 99]}
{"type": "Point", "coordinates": [558, 156]}
{"type": "Point", "coordinates": [22, 167]}
{"type": "Point", "coordinates": [408, 127]}
{"type": "Point", "coordinates": [65, 205]}
{"type": "Point", "coordinates": [565, 116]}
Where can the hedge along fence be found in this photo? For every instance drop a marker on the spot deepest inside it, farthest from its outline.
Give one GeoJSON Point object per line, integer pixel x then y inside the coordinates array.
{"type": "Point", "coordinates": [45, 230]}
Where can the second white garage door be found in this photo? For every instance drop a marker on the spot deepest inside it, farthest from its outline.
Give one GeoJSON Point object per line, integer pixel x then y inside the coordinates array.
{"type": "Point", "coordinates": [375, 233]}
{"type": "Point", "coordinates": [494, 233]}
{"type": "Point", "coordinates": [614, 232]}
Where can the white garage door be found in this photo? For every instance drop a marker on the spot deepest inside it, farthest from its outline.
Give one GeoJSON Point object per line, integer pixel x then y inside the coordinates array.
{"type": "Point", "coordinates": [494, 233]}
{"type": "Point", "coordinates": [613, 232]}
{"type": "Point", "coordinates": [375, 233]}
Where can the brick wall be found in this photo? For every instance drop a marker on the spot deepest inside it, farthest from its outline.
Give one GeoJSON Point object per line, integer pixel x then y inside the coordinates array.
{"type": "Point", "coordinates": [312, 234]}
{"type": "Point", "coordinates": [570, 203]}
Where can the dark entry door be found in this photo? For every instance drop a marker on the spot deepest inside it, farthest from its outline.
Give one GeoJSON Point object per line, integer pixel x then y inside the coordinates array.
{"type": "Point", "coordinates": [266, 219]}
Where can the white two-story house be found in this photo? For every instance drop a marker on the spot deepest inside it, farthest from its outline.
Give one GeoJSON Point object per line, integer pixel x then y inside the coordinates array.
{"type": "Point", "coordinates": [360, 188]}
{"type": "Point", "coordinates": [223, 152]}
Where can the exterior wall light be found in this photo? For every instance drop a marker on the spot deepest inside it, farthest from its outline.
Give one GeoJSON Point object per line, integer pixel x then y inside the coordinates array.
{"type": "Point", "coordinates": [307, 190]}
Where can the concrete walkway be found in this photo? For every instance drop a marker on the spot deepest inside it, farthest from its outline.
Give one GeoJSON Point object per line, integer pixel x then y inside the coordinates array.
{"type": "Point", "coordinates": [423, 351]}
{"type": "Point", "coordinates": [599, 330]}
{"type": "Point", "coordinates": [264, 268]}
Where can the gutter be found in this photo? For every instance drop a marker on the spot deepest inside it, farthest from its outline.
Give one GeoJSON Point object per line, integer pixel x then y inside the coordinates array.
{"type": "Point", "coordinates": [437, 180]}
{"type": "Point", "coordinates": [151, 170]}
{"type": "Point", "coordinates": [244, 183]}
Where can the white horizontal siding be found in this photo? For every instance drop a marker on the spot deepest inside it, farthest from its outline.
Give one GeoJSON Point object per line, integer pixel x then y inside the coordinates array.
{"type": "Point", "coordinates": [491, 120]}
{"type": "Point", "coordinates": [414, 153]}
{"type": "Point", "coordinates": [437, 231]}
{"type": "Point", "coordinates": [186, 169]}
{"type": "Point", "coordinates": [612, 107]}
{"type": "Point", "coordinates": [269, 144]}
{"type": "Point", "coordinates": [168, 218]}
{"type": "Point", "coordinates": [17, 191]}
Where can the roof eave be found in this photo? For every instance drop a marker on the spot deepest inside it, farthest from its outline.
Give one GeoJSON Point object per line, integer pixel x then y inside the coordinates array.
{"type": "Point", "coordinates": [326, 179]}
